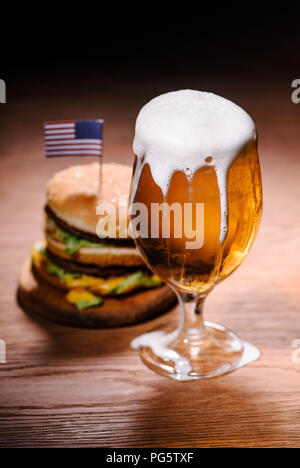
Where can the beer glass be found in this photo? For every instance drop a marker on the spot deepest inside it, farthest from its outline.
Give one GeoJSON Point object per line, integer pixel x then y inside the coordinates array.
{"type": "Point", "coordinates": [222, 212]}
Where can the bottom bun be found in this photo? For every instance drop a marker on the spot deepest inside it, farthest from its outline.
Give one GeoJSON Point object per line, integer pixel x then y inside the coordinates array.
{"type": "Point", "coordinates": [35, 295]}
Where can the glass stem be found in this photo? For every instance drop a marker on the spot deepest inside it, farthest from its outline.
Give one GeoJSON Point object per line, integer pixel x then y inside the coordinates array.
{"type": "Point", "coordinates": [192, 312]}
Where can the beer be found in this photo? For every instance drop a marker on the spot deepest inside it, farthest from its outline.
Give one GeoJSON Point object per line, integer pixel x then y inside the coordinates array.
{"type": "Point", "coordinates": [197, 186]}
{"type": "Point", "coordinates": [197, 270]}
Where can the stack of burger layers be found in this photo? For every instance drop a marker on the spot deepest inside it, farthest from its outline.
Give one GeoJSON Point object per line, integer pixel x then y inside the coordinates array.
{"type": "Point", "coordinates": [93, 274]}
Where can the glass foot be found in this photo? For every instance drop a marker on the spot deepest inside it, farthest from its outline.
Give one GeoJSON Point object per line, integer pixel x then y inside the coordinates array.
{"type": "Point", "coordinates": [194, 354]}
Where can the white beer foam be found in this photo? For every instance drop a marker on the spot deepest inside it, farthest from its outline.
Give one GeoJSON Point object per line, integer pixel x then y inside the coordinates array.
{"type": "Point", "coordinates": [177, 131]}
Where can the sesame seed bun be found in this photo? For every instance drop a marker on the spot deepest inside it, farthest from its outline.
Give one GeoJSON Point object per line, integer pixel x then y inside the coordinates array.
{"type": "Point", "coordinates": [74, 193]}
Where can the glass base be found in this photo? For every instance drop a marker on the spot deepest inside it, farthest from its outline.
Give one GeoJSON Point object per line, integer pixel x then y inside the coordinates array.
{"type": "Point", "coordinates": [195, 353]}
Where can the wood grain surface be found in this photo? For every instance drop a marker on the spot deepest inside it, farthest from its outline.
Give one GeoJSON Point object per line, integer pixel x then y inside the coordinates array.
{"type": "Point", "coordinates": [66, 387]}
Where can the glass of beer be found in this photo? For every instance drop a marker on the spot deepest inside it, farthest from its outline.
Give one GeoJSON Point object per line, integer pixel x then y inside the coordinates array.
{"type": "Point", "coordinates": [195, 208]}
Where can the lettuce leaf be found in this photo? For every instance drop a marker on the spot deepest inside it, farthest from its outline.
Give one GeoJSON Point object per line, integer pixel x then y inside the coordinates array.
{"type": "Point", "coordinates": [54, 270]}
{"type": "Point", "coordinates": [136, 280]}
{"type": "Point", "coordinates": [72, 242]}
{"type": "Point", "coordinates": [81, 305]}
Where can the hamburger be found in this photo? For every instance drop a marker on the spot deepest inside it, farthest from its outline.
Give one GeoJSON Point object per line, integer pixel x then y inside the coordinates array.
{"type": "Point", "coordinates": [81, 279]}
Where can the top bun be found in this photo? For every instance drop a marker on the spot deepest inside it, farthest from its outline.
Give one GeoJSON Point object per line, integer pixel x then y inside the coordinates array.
{"type": "Point", "coordinates": [73, 194]}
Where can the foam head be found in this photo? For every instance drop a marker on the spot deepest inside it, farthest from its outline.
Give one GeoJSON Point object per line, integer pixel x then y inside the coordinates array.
{"type": "Point", "coordinates": [186, 130]}
{"type": "Point", "coordinates": [180, 129]}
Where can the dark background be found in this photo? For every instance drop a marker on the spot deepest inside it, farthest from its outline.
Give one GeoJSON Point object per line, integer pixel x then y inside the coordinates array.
{"type": "Point", "coordinates": [106, 45]}
{"type": "Point", "coordinates": [92, 63]}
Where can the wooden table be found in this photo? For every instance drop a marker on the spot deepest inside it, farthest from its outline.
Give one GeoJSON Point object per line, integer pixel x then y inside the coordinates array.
{"type": "Point", "coordinates": [66, 387]}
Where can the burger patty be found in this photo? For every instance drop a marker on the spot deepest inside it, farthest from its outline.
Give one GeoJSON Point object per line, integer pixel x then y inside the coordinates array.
{"type": "Point", "coordinates": [95, 270]}
{"type": "Point", "coordinates": [86, 235]}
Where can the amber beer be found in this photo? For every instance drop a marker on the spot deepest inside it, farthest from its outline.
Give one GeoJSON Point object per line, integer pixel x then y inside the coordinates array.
{"type": "Point", "coordinates": [198, 270]}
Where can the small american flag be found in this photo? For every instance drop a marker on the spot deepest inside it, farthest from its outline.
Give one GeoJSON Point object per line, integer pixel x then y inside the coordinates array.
{"type": "Point", "coordinates": [73, 138]}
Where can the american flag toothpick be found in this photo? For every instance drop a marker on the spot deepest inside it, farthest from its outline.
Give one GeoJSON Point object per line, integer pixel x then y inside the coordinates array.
{"type": "Point", "coordinates": [73, 138]}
